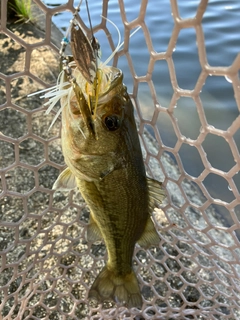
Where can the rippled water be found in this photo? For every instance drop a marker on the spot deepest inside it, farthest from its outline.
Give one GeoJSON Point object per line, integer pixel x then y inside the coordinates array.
{"type": "Point", "coordinates": [221, 25]}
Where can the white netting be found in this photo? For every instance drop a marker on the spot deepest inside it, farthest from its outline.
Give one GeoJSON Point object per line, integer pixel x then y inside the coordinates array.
{"type": "Point", "coordinates": [47, 266]}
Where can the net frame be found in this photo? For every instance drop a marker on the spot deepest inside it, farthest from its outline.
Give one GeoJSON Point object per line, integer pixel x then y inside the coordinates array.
{"type": "Point", "coordinates": [46, 274]}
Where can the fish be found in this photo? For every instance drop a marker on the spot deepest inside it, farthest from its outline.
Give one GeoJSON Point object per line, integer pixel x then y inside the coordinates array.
{"type": "Point", "coordinates": [104, 161]}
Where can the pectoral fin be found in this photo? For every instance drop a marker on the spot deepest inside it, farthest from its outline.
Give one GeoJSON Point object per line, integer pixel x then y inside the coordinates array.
{"type": "Point", "coordinates": [93, 232]}
{"type": "Point", "coordinates": [150, 236]}
{"type": "Point", "coordinates": [65, 181]}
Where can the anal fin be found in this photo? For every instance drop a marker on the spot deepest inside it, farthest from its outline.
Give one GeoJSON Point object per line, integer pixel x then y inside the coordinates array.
{"type": "Point", "coordinates": [93, 231]}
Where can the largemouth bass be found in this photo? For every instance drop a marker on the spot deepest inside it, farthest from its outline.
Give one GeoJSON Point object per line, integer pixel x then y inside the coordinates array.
{"type": "Point", "coordinates": [101, 148]}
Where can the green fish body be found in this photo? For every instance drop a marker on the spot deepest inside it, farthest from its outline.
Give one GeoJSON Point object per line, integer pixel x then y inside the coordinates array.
{"type": "Point", "coordinates": [109, 171]}
{"type": "Point", "coordinates": [102, 151]}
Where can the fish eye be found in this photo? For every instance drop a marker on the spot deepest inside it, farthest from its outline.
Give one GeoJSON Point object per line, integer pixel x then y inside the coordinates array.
{"type": "Point", "coordinates": [112, 122]}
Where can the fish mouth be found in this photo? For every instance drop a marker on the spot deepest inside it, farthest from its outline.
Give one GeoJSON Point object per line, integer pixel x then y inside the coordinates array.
{"type": "Point", "coordinates": [88, 98]}
{"type": "Point", "coordinates": [111, 84]}
{"type": "Point", "coordinates": [106, 80]}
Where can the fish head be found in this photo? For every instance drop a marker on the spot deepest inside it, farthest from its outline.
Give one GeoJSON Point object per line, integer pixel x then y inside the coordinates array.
{"type": "Point", "coordinates": [94, 126]}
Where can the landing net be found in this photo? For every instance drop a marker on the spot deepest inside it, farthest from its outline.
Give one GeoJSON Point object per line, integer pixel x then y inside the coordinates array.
{"type": "Point", "coordinates": [46, 264]}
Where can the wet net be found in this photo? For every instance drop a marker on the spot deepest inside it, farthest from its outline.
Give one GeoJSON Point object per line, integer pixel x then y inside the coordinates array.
{"type": "Point", "coordinates": [46, 264]}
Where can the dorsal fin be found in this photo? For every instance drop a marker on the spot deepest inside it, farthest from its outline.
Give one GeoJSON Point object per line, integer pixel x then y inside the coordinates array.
{"type": "Point", "coordinates": [150, 236]}
{"type": "Point", "coordinates": [156, 193]}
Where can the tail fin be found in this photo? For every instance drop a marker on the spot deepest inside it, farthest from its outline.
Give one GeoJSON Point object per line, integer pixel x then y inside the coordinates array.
{"type": "Point", "coordinates": [120, 289]}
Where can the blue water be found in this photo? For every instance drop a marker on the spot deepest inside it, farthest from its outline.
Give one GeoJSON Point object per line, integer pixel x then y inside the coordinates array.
{"type": "Point", "coordinates": [221, 26]}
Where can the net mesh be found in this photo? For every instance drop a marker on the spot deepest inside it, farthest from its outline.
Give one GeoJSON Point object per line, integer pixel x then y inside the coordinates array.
{"type": "Point", "coordinates": [46, 264]}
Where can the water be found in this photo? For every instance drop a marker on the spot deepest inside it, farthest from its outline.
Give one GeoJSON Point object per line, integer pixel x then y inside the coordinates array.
{"type": "Point", "coordinates": [221, 26]}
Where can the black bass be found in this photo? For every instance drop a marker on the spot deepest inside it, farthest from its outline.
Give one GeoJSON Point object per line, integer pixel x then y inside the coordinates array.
{"type": "Point", "coordinates": [102, 151]}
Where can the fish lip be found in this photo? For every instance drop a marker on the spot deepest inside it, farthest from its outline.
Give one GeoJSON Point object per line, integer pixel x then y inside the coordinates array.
{"type": "Point", "coordinates": [115, 85]}
{"type": "Point", "coordinates": [81, 110]}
